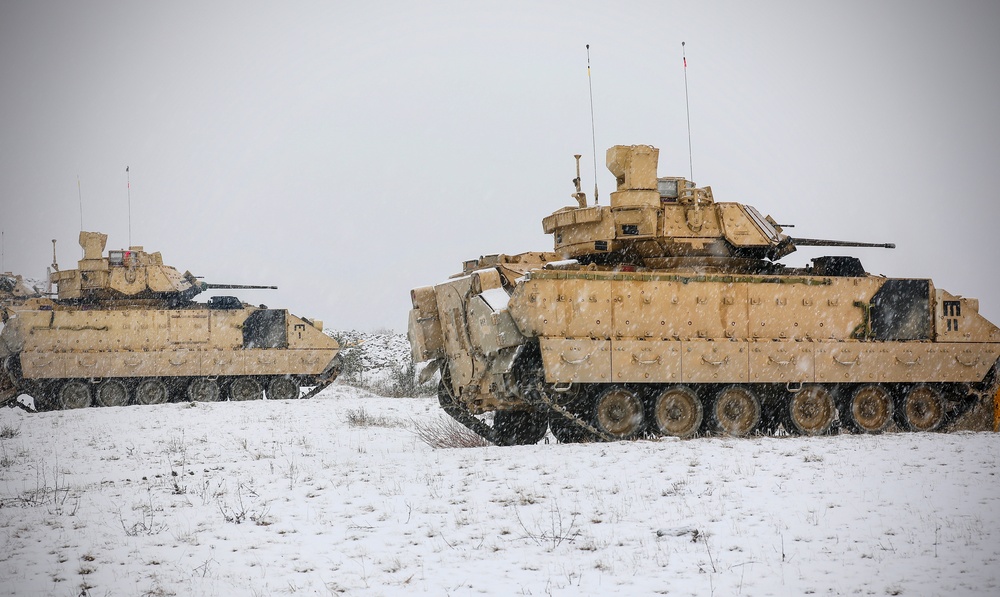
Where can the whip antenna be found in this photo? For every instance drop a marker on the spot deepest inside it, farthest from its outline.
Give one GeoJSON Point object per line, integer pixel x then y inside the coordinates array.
{"type": "Point", "coordinates": [128, 190]}
{"type": "Point", "coordinates": [687, 107]}
{"type": "Point", "coordinates": [593, 131]}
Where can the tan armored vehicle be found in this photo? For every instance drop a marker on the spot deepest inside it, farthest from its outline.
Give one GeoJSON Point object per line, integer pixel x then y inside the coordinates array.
{"type": "Point", "coordinates": [667, 313]}
{"type": "Point", "coordinates": [125, 329]}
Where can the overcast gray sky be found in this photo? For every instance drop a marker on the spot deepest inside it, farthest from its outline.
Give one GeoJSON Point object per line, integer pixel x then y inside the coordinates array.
{"type": "Point", "coordinates": [349, 151]}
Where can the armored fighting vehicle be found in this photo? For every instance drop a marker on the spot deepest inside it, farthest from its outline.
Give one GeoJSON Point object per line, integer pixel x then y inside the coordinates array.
{"type": "Point", "coordinates": [667, 313]}
{"type": "Point", "coordinates": [124, 328]}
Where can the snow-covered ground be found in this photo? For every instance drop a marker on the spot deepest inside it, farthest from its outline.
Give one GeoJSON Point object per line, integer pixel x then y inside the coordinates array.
{"type": "Point", "coordinates": [291, 498]}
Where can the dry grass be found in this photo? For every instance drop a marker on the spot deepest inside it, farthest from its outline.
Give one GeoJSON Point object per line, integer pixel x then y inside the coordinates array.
{"type": "Point", "coordinates": [9, 432]}
{"type": "Point", "coordinates": [448, 433]}
{"type": "Point", "coordinates": [359, 417]}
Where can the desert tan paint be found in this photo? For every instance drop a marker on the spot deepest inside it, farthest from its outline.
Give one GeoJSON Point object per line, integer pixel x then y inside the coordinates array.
{"type": "Point", "coordinates": [60, 344]}
{"type": "Point", "coordinates": [124, 326]}
{"type": "Point", "coordinates": [676, 321]}
{"type": "Point", "coordinates": [604, 327]}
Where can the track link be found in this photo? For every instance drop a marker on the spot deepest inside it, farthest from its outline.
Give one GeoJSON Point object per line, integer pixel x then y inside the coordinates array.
{"type": "Point", "coordinates": [539, 397]}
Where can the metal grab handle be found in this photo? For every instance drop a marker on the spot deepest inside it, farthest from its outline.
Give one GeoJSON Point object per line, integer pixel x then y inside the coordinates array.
{"type": "Point", "coordinates": [571, 362]}
{"type": "Point", "coordinates": [92, 362]}
{"type": "Point", "coordinates": [716, 363]}
{"type": "Point", "coordinates": [133, 361]}
{"type": "Point", "coordinates": [655, 361]}
{"type": "Point", "coordinates": [847, 363]}
{"type": "Point", "coordinates": [908, 363]}
{"type": "Point", "coordinates": [790, 361]}
{"type": "Point", "coordinates": [974, 362]}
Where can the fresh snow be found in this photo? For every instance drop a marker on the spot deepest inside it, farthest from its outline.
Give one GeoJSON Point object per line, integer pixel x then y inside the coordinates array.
{"type": "Point", "coordinates": [496, 298]}
{"type": "Point", "coordinates": [376, 353]}
{"type": "Point", "coordinates": [288, 497]}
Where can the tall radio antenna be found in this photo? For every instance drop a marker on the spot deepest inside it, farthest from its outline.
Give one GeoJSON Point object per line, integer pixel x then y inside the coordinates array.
{"type": "Point", "coordinates": [687, 107]}
{"type": "Point", "coordinates": [593, 130]}
{"type": "Point", "coordinates": [128, 190]}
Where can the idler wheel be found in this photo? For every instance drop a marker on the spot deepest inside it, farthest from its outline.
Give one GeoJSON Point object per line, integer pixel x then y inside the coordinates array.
{"type": "Point", "coordinates": [245, 388]}
{"type": "Point", "coordinates": [74, 393]}
{"type": "Point", "coordinates": [282, 388]}
{"type": "Point", "coordinates": [678, 412]}
{"type": "Point", "coordinates": [619, 413]}
{"type": "Point", "coordinates": [871, 409]}
{"type": "Point", "coordinates": [923, 409]}
{"type": "Point", "coordinates": [202, 389]}
{"type": "Point", "coordinates": [812, 410]}
{"type": "Point", "coordinates": [151, 391]}
{"type": "Point", "coordinates": [736, 411]}
{"type": "Point", "coordinates": [112, 392]}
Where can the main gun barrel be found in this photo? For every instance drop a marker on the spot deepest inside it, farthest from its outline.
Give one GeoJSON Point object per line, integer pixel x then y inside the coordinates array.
{"type": "Point", "coordinates": [206, 286]}
{"type": "Point", "coordinates": [816, 242]}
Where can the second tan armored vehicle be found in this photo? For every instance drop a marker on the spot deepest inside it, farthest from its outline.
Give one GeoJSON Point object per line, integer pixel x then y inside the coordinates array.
{"type": "Point", "coordinates": [125, 329]}
{"type": "Point", "coordinates": [666, 312]}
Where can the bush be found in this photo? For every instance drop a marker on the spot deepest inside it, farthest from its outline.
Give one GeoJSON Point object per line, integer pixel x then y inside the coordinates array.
{"type": "Point", "coordinates": [380, 363]}
{"type": "Point", "coordinates": [448, 433]}
{"type": "Point", "coordinates": [359, 417]}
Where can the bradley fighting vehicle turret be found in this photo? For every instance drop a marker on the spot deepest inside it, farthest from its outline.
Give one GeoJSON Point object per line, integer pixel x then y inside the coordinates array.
{"type": "Point", "coordinates": [124, 328]}
{"type": "Point", "coordinates": [667, 313]}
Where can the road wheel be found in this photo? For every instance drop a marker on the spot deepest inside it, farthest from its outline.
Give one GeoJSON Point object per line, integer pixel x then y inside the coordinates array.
{"type": "Point", "coordinates": [202, 389]}
{"type": "Point", "coordinates": [245, 388]}
{"type": "Point", "coordinates": [812, 410]}
{"type": "Point", "coordinates": [677, 412]}
{"type": "Point", "coordinates": [871, 409]}
{"type": "Point", "coordinates": [46, 395]}
{"type": "Point", "coordinates": [111, 392]}
{"type": "Point", "coordinates": [923, 409]}
{"type": "Point", "coordinates": [74, 393]}
{"type": "Point", "coordinates": [619, 413]}
{"type": "Point", "coordinates": [151, 391]}
{"type": "Point", "coordinates": [282, 388]}
{"type": "Point", "coordinates": [736, 411]}
{"type": "Point", "coordinates": [518, 427]}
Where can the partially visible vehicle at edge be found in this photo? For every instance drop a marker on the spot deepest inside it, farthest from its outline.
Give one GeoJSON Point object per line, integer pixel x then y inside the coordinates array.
{"type": "Point", "coordinates": [14, 291]}
{"type": "Point", "coordinates": [666, 313]}
{"type": "Point", "coordinates": [124, 328]}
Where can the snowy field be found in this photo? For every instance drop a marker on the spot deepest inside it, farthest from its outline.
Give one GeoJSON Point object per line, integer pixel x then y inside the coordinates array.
{"type": "Point", "coordinates": [296, 498]}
